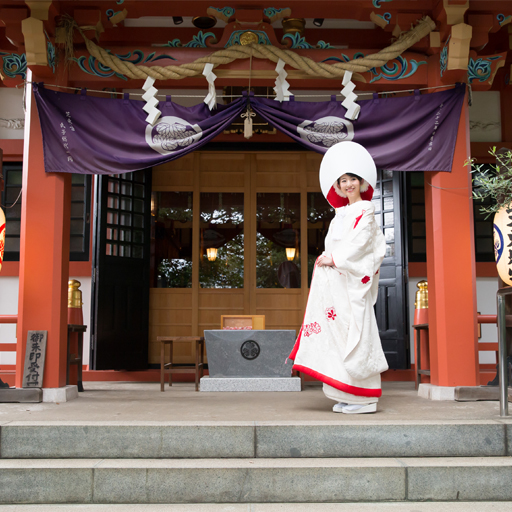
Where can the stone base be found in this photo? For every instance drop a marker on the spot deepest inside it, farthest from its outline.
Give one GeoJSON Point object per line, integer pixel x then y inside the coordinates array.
{"type": "Point", "coordinates": [476, 393]}
{"type": "Point", "coordinates": [64, 394]}
{"type": "Point", "coordinates": [20, 395]}
{"type": "Point", "coordinates": [431, 392]}
{"type": "Point", "coordinates": [250, 384]}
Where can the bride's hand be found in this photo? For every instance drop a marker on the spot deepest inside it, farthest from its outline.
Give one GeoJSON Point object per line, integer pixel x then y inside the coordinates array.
{"type": "Point", "coordinates": [325, 261]}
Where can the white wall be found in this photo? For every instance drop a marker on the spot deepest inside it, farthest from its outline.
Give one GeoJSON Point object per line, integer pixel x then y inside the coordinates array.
{"type": "Point", "coordinates": [11, 107]}
{"type": "Point", "coordinates": [486, 288]}
{"type": "Point", "coordinates": [485, 117]}
{"type": "Point", "coordinates": [9, 306]}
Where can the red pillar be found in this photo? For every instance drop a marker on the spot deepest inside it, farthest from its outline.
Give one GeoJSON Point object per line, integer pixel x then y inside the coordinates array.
{"type": "Point", "coordinates": [451, 269]}
{"type": "Point", "coordinates": [44, 254]}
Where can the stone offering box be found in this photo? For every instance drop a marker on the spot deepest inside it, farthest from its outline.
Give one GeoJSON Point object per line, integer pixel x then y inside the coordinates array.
{"type": "Point", "coordinates": [249, 361]}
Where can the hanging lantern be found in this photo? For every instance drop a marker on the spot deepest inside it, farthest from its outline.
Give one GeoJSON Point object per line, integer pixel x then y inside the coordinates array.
{"type": "Point", "coordinates": [2, 237]}
{"type": "Point", "coordinates": [211, 252]}
{"type": "Point", "coordinates": [290, 253]}
{"type": "Point", "coordinates": [502, 233]}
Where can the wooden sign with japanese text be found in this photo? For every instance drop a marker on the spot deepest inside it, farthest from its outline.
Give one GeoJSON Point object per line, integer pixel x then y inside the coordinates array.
{"type": "Point", "coordinates": [34, 359]}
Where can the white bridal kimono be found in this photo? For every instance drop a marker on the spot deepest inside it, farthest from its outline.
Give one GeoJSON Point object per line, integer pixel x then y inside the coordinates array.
{"type": "Point", "coordinates": [339, 340]}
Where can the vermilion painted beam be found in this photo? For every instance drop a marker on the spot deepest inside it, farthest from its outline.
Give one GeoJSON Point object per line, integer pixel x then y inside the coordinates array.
{"type": "Point", "coordinates": [8, 319]}
{"type": "Point", "coordinates": [44, 255]}
{"type": "Point", "coordinates": [451, 269]}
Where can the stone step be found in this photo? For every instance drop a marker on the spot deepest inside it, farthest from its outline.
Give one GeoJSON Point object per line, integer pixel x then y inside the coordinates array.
{"type": "Point", "coordinates": [204, 440]}
{"type": "Point", "coordinates": [409, 506]}
{"type": "Point", "coordinates": [255, 480]}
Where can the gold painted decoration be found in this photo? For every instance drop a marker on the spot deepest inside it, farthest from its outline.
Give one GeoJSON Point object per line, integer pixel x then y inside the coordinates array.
{"type": "Point", "coordinates": [502, 232]}
{"type": "Point", "coordinates": [248, 38]}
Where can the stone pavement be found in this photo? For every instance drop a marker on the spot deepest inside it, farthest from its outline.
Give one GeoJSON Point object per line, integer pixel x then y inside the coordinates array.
{"type": "Point", "coordinates": [451, 506]}
{"type": "Point", "coordinates": [127, 402]}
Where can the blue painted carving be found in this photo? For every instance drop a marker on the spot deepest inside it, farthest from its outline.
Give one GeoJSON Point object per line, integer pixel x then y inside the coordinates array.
{"type": "Point", "coordinates": [480, 69]}
{"type": "Point", "coordinates": [199, 40]}
{"type": "Point", "coordinates": [443, 58]}
{"type": "Point", "coordinates": [502, 19]}
{"type": "Point", "coordinates": [111, 12]}
{"type": "Point", "coordinates": [386, 17]}
{"type": "Point", "coordinates": [119, 2]}
{"type": "Point", "coordinates": [91, 66]}
{"type": "Point", "coordinates": [377, 3]}
{"type": "Point", "coordinates": [345, 58]}
{"type": "Point", "coordinates": [175, 43]}
{"type": "Point", "coordinates": [322, 45]}
{"type": "Point", "coordinates": [394, 71]}
{"type": "Point", "coordinates": [226, 11]}
{"type": "Point", "coordinates": [270, 12]}
{"type": "Point", "coordinates": [14, 65]}
{"type": "Point", "coordinates": [50, 55]}
{"type": "Point", "coordinates": [235, 37]}
{"type": "Point", "coordinates": [299, 42]}
{"type": "Point", "coordinates": [398, 69]}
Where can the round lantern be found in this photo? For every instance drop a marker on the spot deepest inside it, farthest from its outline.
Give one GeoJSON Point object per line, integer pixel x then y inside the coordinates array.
{"type": "Point", "coordinates": [502, 253]}
{"type": "Point", "coordinates": [2, 236]}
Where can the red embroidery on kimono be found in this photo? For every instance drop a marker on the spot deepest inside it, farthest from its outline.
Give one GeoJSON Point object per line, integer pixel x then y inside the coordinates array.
{"type": "Point", "coordinates": [330, 313]}
{"type": "Point", "coordinates": [377, 272]}
{"type": "Point", "coordinates": [365, 279]}
{"type": "Point", "coordinates": [313, 328]}
{"type": "Point", "coordinates": [358, 219]}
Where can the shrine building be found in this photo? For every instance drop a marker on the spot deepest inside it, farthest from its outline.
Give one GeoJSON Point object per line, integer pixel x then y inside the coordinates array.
{"type": "Point", "coordinates": [217, 209]}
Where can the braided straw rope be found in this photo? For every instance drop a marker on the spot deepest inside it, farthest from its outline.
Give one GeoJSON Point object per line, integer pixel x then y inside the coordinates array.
{"type": "Point", "coordinates": [235, 52]}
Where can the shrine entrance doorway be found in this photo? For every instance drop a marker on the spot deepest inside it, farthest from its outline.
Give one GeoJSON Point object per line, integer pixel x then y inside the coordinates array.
{"type": "Point", "coordinates": [237, 232]}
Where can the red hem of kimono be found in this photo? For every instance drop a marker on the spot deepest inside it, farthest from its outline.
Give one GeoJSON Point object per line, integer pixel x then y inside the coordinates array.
{"type": "Point", "coordinates": [353, 390]}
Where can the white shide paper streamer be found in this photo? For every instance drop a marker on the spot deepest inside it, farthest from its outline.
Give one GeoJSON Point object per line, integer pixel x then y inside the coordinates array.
{"type": "Point", "coordinates": [282, 86]}
{"type": "Point", "coordinates": [211, 98]}
{"type": "Point", "coordinates": [349, 102]}
{"type": "Point", "coordinates": [151, 101]}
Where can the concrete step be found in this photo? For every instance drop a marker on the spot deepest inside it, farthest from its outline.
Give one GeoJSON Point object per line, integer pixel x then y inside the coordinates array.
{"type": "Point", "coordinates": [255, 480]}
{"type": "Point", "coordinates": [204, 440]}
{"type": "Point", "coordinates": [410, 506]}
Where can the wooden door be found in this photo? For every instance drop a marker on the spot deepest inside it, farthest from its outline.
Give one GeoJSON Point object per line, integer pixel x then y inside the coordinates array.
{"type": "Point", "coordinates": [189, 311]}
{"type": "Point", "coordinates": [120, 288]}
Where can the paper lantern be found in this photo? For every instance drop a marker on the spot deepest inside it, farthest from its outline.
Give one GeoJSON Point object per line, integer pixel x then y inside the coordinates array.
{"type": "Point", "coordinates": [211, 252]}
{"type": "Point", "coordinates": [2, 237]}
{"type": "Point", "coordinates": [290, 253]}
{"type": "Point", "coordinates": [502, 253]}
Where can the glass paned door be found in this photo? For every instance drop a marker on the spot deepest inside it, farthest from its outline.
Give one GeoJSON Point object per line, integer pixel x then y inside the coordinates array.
{"type": "Point", "coordinates": [278, 240]}
{"type": "Point", "coordinates": [391, 310]}
{"type": "Point", "coordinates": [320, 214]}
{"type": "Point", "coordinates": [221, 260]}
{"type": "Point", "coordinates": [171, 239]}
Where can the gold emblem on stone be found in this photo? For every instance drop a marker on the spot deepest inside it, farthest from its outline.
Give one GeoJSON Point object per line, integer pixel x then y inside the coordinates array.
{"type": "Point", "coordinates": [248, 38]}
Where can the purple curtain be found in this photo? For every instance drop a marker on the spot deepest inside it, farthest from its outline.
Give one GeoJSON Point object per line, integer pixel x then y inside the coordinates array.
{"type": "Point", "coordinates": [88, 135]}
{"type": "Point", "coordinates": [414, 133]}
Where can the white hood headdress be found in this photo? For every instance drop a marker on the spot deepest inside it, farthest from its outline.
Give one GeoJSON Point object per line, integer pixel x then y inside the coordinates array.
{"type": "Point", "coordinates": [342, 158]}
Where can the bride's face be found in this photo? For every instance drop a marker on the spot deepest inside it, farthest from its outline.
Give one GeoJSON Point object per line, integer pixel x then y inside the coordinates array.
{"type": "Point", "coordinates": [350, 187]}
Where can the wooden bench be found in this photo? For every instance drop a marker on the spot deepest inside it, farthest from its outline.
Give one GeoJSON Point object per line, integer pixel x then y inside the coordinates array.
{"type": "Point", "coordinates": [170, 368]}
